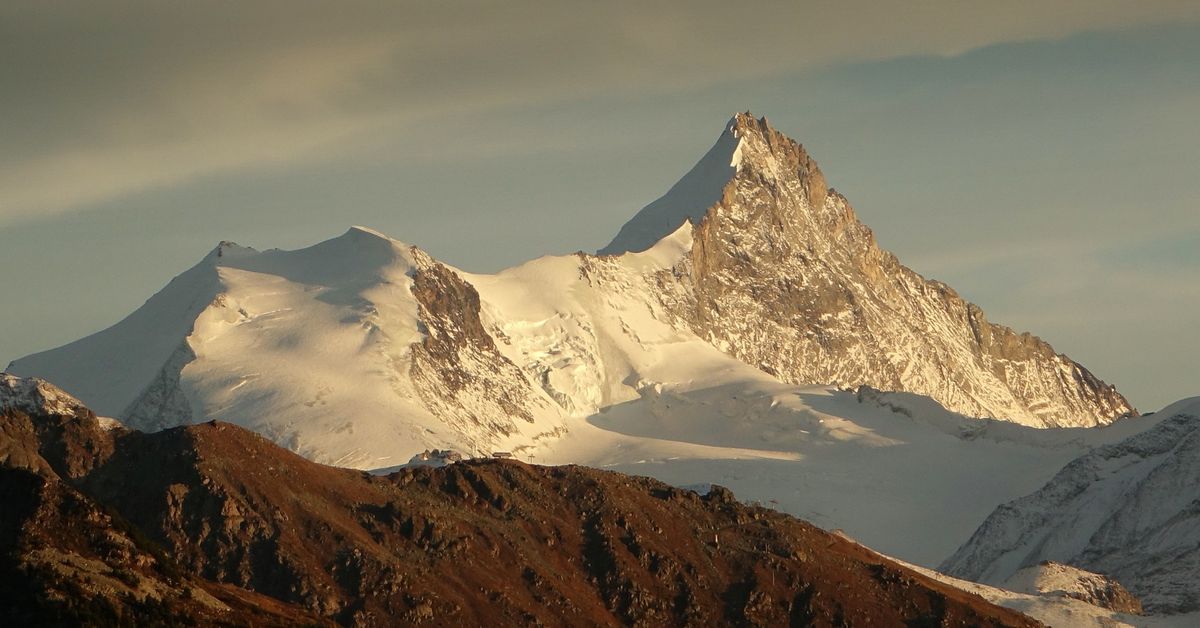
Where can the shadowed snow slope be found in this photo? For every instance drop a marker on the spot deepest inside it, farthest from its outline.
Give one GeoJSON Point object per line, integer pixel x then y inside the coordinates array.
{"type": "Point", "coordinates": [687, 200]}
{"type": "Point", "coordinates": [1130, 510]}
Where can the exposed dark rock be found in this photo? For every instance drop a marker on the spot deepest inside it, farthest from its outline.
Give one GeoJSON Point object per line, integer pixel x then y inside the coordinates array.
{"type": "Point", "coordinates": [458, 359]}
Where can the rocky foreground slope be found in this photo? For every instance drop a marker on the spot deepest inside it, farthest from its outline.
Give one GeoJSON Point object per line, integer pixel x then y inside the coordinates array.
{"type": "Point", "coordinates": [1130, 510]}
{"type": "Point", "coordinates": [67, 559]}
{"type": "Point", "coordinates": [215, 524]}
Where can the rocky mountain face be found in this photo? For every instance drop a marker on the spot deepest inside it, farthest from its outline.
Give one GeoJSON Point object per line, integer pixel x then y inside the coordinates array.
{"type": "Point", "coordinates": [1130, 510]}
{"type": "Point", "coordinates": [253, 534]}
{"type": "Point", "coordinates": [783, 276]}
{"type": "Point", "coordinates": [467, 381]}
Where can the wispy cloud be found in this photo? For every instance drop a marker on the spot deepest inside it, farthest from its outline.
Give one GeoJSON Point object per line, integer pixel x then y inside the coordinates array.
{"type": "Point", "coordinates": [102, 100]}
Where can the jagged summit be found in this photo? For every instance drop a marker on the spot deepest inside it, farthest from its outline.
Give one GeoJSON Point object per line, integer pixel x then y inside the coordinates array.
{"type": "Point", "coordinates": [227, 250]}
{"type": "Point", "coordinates": [783, 276]}
{"type": "Point", "coordinates": [770, 156]}
{"type": "Point", "coordinates": [746, 143]}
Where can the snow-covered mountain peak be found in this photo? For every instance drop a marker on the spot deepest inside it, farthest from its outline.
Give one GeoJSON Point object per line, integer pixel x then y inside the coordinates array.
{"type": "Point", "coordinates": [358, 257]}
{"type": "Point", "coordinates": [361, 347]}
{"type": "Point", "coordinates": [359, 231]}
{"type": "Point", "coordinates": [36, 396]}
{"type": "Point", "coordinates": [357, 241]}
{"type": "Point", "coordinates": [362, 242]}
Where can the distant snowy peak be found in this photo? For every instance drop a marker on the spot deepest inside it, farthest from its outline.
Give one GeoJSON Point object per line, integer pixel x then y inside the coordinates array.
{"type": "Point", "coordinates": [131, 370]}
{"type": "Point", "coordinates": [349, 351]}
{"type": "Point", "coordinates": [33, 395]}
{"type": "Point", "coordinates": [1130, 510]}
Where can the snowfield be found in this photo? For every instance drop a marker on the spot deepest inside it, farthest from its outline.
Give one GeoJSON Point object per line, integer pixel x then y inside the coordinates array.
{"type": "Point", "coordinates": [909, 486]}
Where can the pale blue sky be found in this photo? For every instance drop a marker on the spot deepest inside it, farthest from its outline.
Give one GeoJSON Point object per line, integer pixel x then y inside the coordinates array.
{"type": "Point", "coordinates": [1043, 161]}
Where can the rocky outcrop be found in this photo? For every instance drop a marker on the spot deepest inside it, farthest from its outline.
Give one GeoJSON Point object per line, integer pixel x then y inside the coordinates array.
{"type": "Point", "coordinates": [69, 441]}
{"type": "Point", "coordinates": [1130, 511]}
{"type": "Point", "coordinates": [782, 275]}
{"type": "Point", "coordinates": [1051, 578]}
{"type": "Point", "coordinates": [37, 396]}
{"type": "Point", "coordinates": [461, 375]}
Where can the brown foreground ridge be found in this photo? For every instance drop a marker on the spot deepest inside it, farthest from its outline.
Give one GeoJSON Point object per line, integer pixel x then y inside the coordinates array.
{"type": "Point", "coordinates": [212, 524]}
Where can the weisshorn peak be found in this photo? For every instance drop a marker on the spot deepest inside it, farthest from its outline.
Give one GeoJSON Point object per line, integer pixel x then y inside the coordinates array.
{"type": "Point", "coordinates": [783, 276]}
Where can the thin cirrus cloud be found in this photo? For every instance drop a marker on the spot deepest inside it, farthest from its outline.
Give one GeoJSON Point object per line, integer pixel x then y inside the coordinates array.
{"type": "Point", "coordinates": [100, 101]}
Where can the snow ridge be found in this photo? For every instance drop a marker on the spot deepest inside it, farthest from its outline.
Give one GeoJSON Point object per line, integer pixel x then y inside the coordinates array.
{"type": "Point", "coordinates": [686, 201]}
